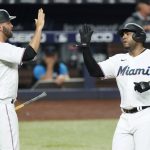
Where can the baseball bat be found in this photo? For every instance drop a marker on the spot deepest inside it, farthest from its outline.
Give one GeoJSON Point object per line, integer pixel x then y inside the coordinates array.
{"type": "Point", "coordinates": [31, 100]}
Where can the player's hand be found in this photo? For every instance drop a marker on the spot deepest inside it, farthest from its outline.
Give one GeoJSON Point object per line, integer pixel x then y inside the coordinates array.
{"type": "Point", "coordinates": [141, 86]}
{"type": "Point", "coordinates": [40, 21]}
{"type": "Point", "coordinates": [61, 79]}
{"type": "Point", "coordinates": [85, 35]}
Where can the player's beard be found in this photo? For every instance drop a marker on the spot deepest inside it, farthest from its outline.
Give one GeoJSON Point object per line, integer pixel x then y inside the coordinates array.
{"type": "Point", "coordinates": [7, 32]}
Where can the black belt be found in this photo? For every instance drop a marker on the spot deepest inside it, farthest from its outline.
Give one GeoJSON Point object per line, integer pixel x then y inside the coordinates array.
{"type": "Point", "coordinates": [135, 109]}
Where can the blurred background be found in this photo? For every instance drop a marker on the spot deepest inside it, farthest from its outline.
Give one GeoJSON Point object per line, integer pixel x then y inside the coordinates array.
{"type": "Point", "coordinates": [59, 70]}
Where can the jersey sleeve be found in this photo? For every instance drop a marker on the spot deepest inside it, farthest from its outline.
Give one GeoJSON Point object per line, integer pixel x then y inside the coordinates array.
{"type": "Point", "coordinates": [63, 70]}
{"type": "Point", "coordinates": [108, 68]}
{"type": "Point", "coordinates": [11, 53]}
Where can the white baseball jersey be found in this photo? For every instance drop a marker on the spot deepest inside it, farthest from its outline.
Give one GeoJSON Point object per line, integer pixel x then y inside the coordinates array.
{"type": "Point", "coordinates": [127, 70]}
{"type": "Point", "coordinates": [10, 58]}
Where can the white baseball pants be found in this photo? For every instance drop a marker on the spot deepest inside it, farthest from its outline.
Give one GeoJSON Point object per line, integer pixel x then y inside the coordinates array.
{"type": "Point", "coordinates": [133, 131]}
{"type": "Point", "coordinates": [9, 133]}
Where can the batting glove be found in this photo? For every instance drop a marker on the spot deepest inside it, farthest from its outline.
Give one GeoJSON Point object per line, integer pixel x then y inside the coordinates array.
{"type": "Point", "coordinates": [142, 86]}
{"type": "Point", "coordinates": [85, 35]}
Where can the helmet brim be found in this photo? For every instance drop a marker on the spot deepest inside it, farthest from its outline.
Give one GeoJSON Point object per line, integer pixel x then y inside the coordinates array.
{"type": "Point", "coordinates": [12, 17]}
{"type": "Point", "coordinates": [121, 31]}
{"type": "Point", "coordinates": [7, 19]}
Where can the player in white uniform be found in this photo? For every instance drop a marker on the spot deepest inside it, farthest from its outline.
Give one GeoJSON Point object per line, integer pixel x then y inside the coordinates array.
{"type": "Point", "coordinates": [132, 73]}
{"type": "Point", "coordinates": [10, 57]}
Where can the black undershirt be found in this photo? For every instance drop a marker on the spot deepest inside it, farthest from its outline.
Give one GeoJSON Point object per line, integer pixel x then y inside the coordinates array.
{"type": "Point", "coordinates": [29, 54]}
{"type": "Point", "coordinates": [92, 66]}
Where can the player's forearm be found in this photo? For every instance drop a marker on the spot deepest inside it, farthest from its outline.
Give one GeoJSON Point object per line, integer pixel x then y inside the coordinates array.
{"type": "Point", "coordinates": [39, 23]}
{"type": "Point", "coordinates": [92, 66]}
{"type": "Point", "coordinates": [35, 42]}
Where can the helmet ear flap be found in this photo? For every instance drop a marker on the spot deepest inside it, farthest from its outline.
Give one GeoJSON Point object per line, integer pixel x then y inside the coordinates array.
{"type": "Point", "coordinates": [139, 37]}
{"type": "Point", "coordinates": [134, 37]}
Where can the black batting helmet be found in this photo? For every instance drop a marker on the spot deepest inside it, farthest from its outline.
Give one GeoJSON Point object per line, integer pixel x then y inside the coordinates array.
{"type": "Point", "coordinates": [4, 16]}
{"type": "Point", "coordinates": [139, 33]}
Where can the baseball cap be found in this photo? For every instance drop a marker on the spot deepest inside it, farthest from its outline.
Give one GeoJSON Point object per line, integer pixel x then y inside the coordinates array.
{"type": "Point", "coordinates": [4, 16]}
{"type": "Point", "coordinates": [143, 1]}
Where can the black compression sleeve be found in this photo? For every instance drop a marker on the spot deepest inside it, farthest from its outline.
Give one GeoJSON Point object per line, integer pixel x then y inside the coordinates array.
{"type": "Point", "coordinates": [92, 66]}
{"type": "Point", "coordinates": [29, 54]}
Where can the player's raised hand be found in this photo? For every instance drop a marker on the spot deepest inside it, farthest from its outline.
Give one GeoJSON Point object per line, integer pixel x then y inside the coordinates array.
{"type": "Point", "coordinates": [40, 21]}
{"type": "Point", "coordinates": [85, 35]}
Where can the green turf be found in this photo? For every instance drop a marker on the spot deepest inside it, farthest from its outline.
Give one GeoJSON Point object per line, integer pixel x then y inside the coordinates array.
{"type": "Point", "coordinates": [67, 135]}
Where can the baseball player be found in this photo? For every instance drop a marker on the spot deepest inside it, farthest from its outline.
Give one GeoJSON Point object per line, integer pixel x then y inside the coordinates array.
{"type": "Point", "coordinates": [10, 57]}
{"type": "Point", "coordinates": [132, 73]}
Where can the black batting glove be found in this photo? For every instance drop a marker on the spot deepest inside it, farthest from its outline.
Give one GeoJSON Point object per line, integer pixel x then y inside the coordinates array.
{"type": "Point", "coordinates": [141, 86]}
{"type": "Point", "coordinates": [85, 35]}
